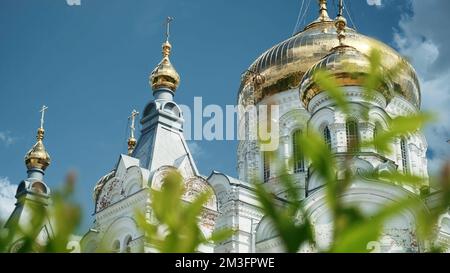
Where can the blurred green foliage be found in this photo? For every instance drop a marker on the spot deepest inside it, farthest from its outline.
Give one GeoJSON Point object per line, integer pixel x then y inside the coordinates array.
{"type": "Point", "coordinates": [63, 213]}
{"type": "Point", "coordinates": [293, 233]}
{"type": "Point", "coordinates": [174, 224]}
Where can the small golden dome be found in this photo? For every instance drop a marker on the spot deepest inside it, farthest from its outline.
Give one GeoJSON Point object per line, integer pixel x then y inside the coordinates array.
{"type": "Point", "coordinates": [347, 65]}
{"type": "Point", "coordinates": [164, 75]}
{"type": "Point", "coordinates": [131, 145]}
{"type": "Point", "coordinates": [340, 23]}
{"type": "Point", "coordinates": [37, 157]}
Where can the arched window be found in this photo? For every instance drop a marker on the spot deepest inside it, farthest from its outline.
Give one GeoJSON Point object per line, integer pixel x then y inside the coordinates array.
{"type": "Point", "coordinates": [404, 155]}
{"type": "Point", "coordinates": [297, 153]}
{"type": "Point", "coordinates": [376, 131]}
{"type": "Point", "coordinates": [116, 246]}
{"type": "Point", "coordinates": [127, 244]}
{"type": "Point", "coordinates": [327, 136]}
{"type": "Point", "coordinates": [266, 166]}
{"type": "Point", "coordinates": [352, 136]}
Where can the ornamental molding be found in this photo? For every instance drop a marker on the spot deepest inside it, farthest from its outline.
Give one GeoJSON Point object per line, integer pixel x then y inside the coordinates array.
{"type": "Point", "coordinates": [123, 206]}
{"type": "Point", "coordinates": [239, 208]}
{"type": "Point", "coordinates": [377, 99]}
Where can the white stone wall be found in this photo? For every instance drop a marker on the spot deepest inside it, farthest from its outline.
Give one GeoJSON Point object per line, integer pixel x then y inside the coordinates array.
{"type": "Point", "coordinates": [292, 116]}
{"type": "Point", "coordinates": [238, 210]}
{"type": "Point", "coordinates": [399, 234]}
{"type": "Point", "coordinates": [124, 193]}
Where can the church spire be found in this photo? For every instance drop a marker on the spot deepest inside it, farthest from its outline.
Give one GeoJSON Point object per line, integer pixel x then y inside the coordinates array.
{"type": "Point", "coordinates": [164, 76]}
{"type": "Point", "coordinates": [323, 11]}
{"type": "Point", "coordinates": [132, 140]}
{"type": "Point", "coordinates": [37, 159]}
{"type": "Point", "coordinates": [340, 23]}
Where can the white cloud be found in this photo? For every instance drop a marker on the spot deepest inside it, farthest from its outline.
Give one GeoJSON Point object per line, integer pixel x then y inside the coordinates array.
{"type": "Point", "coordinates": [6, 138]}
{"type": "Point", "coordinates": [423, 37]}
{"type": "Point", "coordinates": [374, 2]}
{"type": "Point", "coordinates": [7, 198]}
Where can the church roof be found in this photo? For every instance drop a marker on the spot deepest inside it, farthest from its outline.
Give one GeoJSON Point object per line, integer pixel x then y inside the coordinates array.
{"type": "Point", "coordinates": [282, 66]}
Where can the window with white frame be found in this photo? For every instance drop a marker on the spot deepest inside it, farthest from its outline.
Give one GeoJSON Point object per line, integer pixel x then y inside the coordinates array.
{"type": "Point", "coordinates": [376, 131]}
{"type": "Point", "coordinates": [266, 166]}
{"type": "Point", "coordinates": [404, 154]}
{"type": "Point", "coordinates": [352, 136]}
{"type": "Point", "coordinates": [327, 136]}
{"type": "Point", "coordinates": [297, 152]}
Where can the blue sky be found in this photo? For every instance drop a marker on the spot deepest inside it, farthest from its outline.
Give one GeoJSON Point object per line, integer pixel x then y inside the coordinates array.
{"type": "Point", "coordinates": [90, 65]}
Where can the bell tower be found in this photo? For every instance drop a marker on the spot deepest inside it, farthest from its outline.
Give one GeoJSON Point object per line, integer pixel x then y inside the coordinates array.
{"type": "Point", "coordinates": [33, 195]}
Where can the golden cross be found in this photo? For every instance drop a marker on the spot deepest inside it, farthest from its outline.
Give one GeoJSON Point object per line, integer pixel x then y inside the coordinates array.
{"type": "Point", "coordinates": [42, 111]}
{"type": "Point", "coordinates": [168, 20]}
{"type": "Point", "coordinates": [341, 8]}
{"type": "Point", "coordinates": [133, 117]}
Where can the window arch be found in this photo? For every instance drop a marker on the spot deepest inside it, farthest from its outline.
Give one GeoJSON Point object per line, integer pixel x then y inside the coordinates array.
{"type": "Point", "coordinates": [376, 131]}
{"type": "Point", "coordinates": [352, 135]}
{"type": "Point", "coordinates": [266, 166]}
{"type": "Point", "coordinates": [132, 188]}
{"type": "Point", "coordinates": [297, 153]}
{"type": "Point", "coordinates": [404, 154]}
{"type": "Point", "coordinates": [116, 246]}
{"type": "Point", "coordinates": [127, 244]}
{"type": "Point", "coordinates": [327, 136]}
{"type": "Point", "coordinates": [171, 107]}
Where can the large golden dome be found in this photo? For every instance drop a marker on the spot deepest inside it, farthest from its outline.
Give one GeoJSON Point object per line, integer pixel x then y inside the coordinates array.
{"type": "Point", "coordinates": [282, 67]}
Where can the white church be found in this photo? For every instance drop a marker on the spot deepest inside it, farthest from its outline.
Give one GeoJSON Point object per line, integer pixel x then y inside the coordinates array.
{"type": "Point", "coordinates": [282, 75]}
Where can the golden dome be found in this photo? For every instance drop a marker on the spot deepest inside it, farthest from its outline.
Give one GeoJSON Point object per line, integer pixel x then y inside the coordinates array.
{"type": "Point", "coordinates": [131, 144]}
{"type": "Point", "coordinates": [284, 65]}
{"type": "Point", "coordinates": [347, 65]}
{"type": "Point", "coordinates": [37, 157]}
{"type": "Point", "coordinates": [164, 75]}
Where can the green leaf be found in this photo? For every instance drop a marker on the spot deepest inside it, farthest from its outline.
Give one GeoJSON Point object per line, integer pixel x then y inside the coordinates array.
{"type": "Point", "coordinates": [178, 219]}
{"type": "Point", "coordinates": [398, 127]}
{"type": "Point", "coordinates": [360, 231]}
{"type": "Point", "coordinates": [221, 235]}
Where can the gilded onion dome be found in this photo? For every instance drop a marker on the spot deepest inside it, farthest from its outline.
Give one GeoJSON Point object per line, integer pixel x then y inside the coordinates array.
{"type": "Point", "coordinates": [348, 66]}
{"type": "Point", "coordinates": [283, 66]}
{"type": "Point", "coordinates": [164, 75]}
{"type": "Point", "coordinates": [37, 157]}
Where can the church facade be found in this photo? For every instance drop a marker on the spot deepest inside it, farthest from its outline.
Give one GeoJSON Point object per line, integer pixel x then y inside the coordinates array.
{"type": "Point", "coordinates": [280, 76]}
